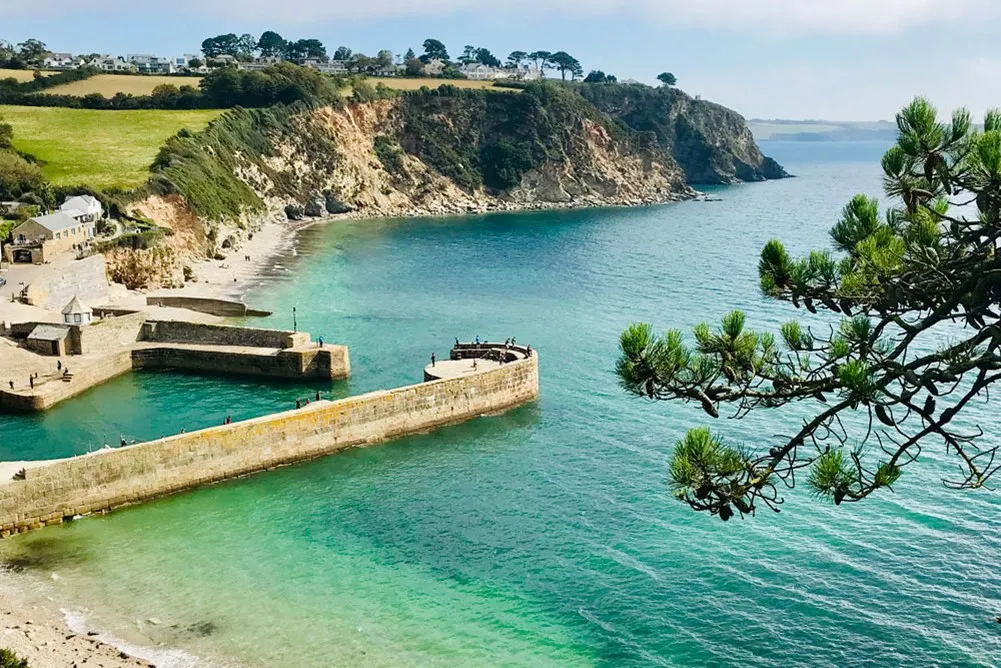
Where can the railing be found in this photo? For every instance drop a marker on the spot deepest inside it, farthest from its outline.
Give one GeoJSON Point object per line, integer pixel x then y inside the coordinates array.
{"type": "Point", "coordinates": [492, 350]}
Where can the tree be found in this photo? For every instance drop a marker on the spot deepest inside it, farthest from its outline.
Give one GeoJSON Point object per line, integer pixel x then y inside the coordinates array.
{"type": "Point", "coordinates": [414, 66]}
{"type": "Point", "coordinates": [918, 293]}
{"type": "Point", "coordinates": [221, 45]}
{"type": "Point", "coordinates": [485, 57]}
{"type": "Point", "coordinates": [342, 53]}
{"type": "Point", "coordinates": [195, 63]}
{"type": "Point", "coordinates": [434, 49]}
{"type": "Point", "coordinates": [541, 59]}
{"type": "Point", "coordinates": [271, 45]}
{"type": "Point", "coordinates": [305, 48]}
{"type": "Point", "coordinates": [384, 61]}
{"type": "Point", "coordinates": [246, 45]}
{"type": "Point", "coordinates": [597, 76]}
{"type": "Point", "coordinates": [18, 176]}
{"type": "Point", "coordinates": [359, 62]}
{"type": "Point", "coordinates": [32, 52]}
{"type": "Point", "coordinates": [469, 54]}
{"type": "Point", "coordinates": [515, 59]}
{"type": "Point", "coordinates": [566, 64]}
{"type": "Point", "coordinates": [667, 79]}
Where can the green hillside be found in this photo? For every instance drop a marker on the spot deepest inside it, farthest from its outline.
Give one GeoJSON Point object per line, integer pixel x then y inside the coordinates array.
{"type": "Point", "coordinates": [101, 149]}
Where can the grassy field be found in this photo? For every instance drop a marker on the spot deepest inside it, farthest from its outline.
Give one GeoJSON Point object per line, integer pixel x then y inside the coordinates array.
{"type": "Point", "coordinates": [110, 84]}
{"type": "Point", "coordinates": [97, 148]}
{"type": "Point", "coordinates": [21, 75]}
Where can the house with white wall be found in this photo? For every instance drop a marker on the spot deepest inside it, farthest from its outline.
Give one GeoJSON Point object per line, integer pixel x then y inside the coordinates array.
{"type": "Point", "coordinates": [83, 208]}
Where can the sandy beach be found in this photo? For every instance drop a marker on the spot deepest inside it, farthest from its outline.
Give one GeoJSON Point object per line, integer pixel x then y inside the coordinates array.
{"type": "Point", "coordinates": [36, 630]}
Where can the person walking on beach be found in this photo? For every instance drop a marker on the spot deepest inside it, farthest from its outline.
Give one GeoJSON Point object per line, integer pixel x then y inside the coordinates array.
{"type": "Point", "coordinates": [298, 404]}
{"type": "Point", "coordinates": [228, 420]}
{"type": "Point", "coordinates": [59, 365]}
{"type": "Point", "coordinates": [319, 340]}
{"type": "Point", "coordinates": [317, 395]}
{"type": "Point", "coordinates": [477, 339]}
{"type": "Point", "coordinates": [11, 384]}
{"type": "Point", "coordinates": [432, 360]}
{"type": "Point", "coordinates": [31, 381]}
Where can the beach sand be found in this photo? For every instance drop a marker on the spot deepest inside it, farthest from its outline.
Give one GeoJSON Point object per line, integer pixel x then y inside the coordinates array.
{"type": "Point", "coordinates": [37, 631]}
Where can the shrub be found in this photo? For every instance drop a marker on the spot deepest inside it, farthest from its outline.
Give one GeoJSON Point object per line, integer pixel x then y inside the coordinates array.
{"type": "Point", "coordinates": [389, 154]}
{"type": "Point", "coordinates": [18, 176]}
{"type": "Point", "coordinates": [10, 660]}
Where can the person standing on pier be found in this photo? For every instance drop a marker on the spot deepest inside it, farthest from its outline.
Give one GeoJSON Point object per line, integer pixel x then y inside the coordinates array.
{"type": "Point", "coordinates": [432, 360]}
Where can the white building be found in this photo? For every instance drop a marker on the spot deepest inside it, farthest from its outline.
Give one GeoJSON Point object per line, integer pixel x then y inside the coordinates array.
{"type": "Point", "coordinates": [109, 63]}
{"type": "Point", "coordinates": [77, 313]}
{"type": "Point", "coordinates": [83, 208]}
{"type": "Point", "coordinates": [149, 64]}
{"type": "Point", "coordinates": [481, 72]}
{"type": "Point", "coordinates": [60, 61]}
{"type": "Point", "coordinates": [434, 67]}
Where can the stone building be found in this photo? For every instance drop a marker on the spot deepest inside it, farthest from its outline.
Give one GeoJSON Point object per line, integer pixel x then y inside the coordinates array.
{"type": "Point", "coordinates": [41, 238]}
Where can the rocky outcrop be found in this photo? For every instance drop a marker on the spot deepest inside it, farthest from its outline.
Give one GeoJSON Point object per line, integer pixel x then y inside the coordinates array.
{"type": "Point", "coordinates": [711, 143]}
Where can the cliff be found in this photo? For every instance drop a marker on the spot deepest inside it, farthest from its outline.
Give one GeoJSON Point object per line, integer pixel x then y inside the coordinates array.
{"type": "Point", "coordinates": [436, 152]}
{"type": "Point", "coordinates": [711, 143]}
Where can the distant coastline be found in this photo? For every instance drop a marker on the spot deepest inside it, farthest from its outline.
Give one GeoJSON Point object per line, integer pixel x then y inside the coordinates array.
{"type": "Point", "coordinates": [821, 131]}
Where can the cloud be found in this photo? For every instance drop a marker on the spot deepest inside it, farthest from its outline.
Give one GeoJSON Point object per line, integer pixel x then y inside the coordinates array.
{"type": "Point", "coordinates": [843, 17]}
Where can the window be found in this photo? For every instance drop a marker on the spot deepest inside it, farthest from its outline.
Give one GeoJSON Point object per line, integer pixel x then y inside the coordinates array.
{"type": "Point", "coordinates": [74, 231]}
{"type": "Point", "coordinates": [76, 318]}
{"type": "Point", "coordinates": [58, 236]}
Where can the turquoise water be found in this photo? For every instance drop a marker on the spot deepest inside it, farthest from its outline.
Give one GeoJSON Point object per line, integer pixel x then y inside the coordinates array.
{"type": "Point", "coordinates": [544, 536]}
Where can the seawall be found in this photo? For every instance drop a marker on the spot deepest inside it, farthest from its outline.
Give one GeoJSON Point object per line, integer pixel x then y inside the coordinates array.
{"type": "Point", "coordinates": [113, 346]}
{"type": "Point", "coordinates": [109, 479]}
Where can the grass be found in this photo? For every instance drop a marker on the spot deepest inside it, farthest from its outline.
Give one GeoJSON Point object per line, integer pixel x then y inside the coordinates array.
{"type": "Point", "coordinates": [21, 75]}
{"type": "Point", "coordinates": [101, 149]}
{"type": "Point", "coordinates": [110, 84]}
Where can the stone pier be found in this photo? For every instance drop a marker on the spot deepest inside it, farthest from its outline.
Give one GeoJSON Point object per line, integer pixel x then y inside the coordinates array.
{"type": "Point", "coordinates": [117, 345]}
{"type": "Point", "coordinates": [47, 493]}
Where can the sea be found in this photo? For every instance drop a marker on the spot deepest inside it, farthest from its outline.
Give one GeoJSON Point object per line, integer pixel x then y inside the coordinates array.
{"type": "Point", "coordinates": [546, 536]}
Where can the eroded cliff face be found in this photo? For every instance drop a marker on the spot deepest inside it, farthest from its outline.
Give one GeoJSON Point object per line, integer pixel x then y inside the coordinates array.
{"type": "Point", "coordinates": [414, 155]}
{"type": "Point", "coordinates": [440, 152]}
{"type": "Point", "coordinates": [711, 143]}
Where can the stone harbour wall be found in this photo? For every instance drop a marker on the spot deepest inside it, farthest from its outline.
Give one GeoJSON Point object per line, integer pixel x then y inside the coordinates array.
{"type": "Point", "coordinates": [110, 333]}
{"type": "Point", "coordinates": [224, 308]}
{"type": "Point", "coordinates": [176, 331]}
{"type": "Point", "coordinates": [326, 362]}
{"type": "Point", "coordinates": [113, 478]}
{"type": "Point", "coordinates": [84, 378]}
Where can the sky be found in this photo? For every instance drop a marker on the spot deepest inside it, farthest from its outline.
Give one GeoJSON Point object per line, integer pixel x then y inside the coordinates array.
{"type": "Point", "coordinates": [795, 59]}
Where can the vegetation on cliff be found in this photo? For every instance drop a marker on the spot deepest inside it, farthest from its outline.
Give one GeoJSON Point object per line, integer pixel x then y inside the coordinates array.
{"type": "Point", "coordinates": [711, 143]}
{"type": "Point", "coordinates": [476, 138]}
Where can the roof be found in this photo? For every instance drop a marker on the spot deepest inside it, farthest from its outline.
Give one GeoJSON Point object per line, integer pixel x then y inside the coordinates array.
{"type": "Point", "coordinates": [81, 202]}
{"type": "Point", "coordinates": [55, 222]}
{"type": "Point", "coordinates": [49, 332]}
{"type": "Point", "coordinates": [75, 306]}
